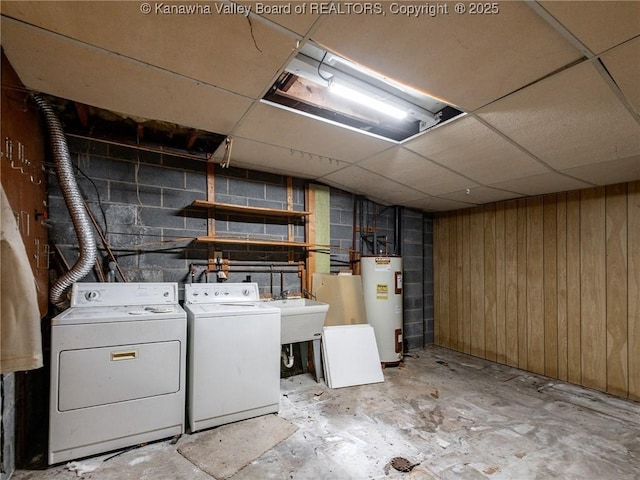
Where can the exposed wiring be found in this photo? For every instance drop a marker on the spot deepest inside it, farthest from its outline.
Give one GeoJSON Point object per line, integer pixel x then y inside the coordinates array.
{"type": "Point", "coordinates": [326, 79]}
{"type": "Point", "coordinates": [136, 170]}
{"type": "Point", "coordinates": [17, 88]}
{"type": "Point", "coordinates": [126, 450]}
{"type": "Point", "coordinates": [105, 232]}
{"type": "Point", "coordinates": [204, 157]}
{"type": "Point", "coordinates": [105, 242]}
{"type": "Point", "coordinates": [123, 252]}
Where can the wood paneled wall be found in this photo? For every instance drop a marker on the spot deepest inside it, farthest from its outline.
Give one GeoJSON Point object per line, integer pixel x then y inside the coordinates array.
{"type": "Point", "coordinates": [547, 284]}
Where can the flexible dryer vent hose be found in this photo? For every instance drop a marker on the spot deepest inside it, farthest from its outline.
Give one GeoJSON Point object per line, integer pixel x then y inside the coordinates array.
{"type": "Point", "coordinates": [73, 200]}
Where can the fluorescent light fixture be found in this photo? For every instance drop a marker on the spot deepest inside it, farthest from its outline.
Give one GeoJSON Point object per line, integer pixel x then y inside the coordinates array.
{"type": "Point", "coordinates": [319, 83]}
{"type": "Point", "coordinates": [373, 74]}
{"type": "Point", "coordinates": [367, 101]}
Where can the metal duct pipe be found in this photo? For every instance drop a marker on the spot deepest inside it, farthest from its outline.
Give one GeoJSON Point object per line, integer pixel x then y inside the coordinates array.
{"type": "Point", "coordinates": [73, 200]}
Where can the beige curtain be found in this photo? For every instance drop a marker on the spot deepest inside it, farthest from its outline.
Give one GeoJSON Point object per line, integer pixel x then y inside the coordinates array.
{"type": "Point", "coordinates": [21, 343]}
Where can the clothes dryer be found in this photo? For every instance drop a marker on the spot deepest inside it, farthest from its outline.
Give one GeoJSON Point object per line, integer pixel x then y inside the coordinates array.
{"type": "Point", "coordinates": [118, 368]}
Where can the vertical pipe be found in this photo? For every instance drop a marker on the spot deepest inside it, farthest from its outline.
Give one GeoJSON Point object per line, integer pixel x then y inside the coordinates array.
{"type": "Point", "coordinates": [360, 222]}
{"type": "Point", "coordinates": [354, 221]}
{"type": "Point", "coordinates": [397, 234]}
{"type": "Point", "coordinates": [281, 282]}
{"type": "Point", "coordinates": [271, 281]}
{"type": "Point", "coordinates": [375, 231]}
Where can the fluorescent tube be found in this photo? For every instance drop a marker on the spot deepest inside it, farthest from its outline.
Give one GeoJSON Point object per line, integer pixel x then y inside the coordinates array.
{"type": "Point", "coordinates": [366, 100]}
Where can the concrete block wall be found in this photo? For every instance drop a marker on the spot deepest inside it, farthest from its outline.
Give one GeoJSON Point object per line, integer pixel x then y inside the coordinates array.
{"type": "Point", "coordinates": [139, 199]}
{"type": "Point", "coordinates": [142, 202]}
{"type": "Point", "coordinates": [341, 228]}
{"type": "Point", "coordinates": [257, 189]}
{"type": "Point", "coordinates": [7, 425]}
{"type": "Point", "coordinates": [417, 264]}
{"type": "Point", "coordinates": [428, 285]}
{"type": "Point", "coordinates": [385, 226]}
{"type": "Point", "coordinates": [375, 216]}
{"type": "Point", "coordinates": [412, 235]}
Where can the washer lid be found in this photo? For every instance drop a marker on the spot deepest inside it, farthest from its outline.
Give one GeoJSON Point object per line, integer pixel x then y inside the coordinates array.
{"type": "Point", "coordinates": [228, 309]}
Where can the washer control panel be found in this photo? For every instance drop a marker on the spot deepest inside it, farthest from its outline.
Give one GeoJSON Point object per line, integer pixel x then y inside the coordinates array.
{"type": "Point", "coordinates": [221, 292]}
{"type": "Point", "coordinates": [115, 294]}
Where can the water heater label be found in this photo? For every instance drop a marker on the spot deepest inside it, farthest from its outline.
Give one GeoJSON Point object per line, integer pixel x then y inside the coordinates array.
{"type": "Point", "coordinates": [398, 277]}
{"type": "Point", "coordinates": [383, 264]}
{"type": "Point", "coordinates": [382, 291]}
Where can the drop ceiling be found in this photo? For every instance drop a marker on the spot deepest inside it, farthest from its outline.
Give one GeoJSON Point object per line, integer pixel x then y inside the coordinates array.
{"type": "Point", "coordinates": [550, 90]}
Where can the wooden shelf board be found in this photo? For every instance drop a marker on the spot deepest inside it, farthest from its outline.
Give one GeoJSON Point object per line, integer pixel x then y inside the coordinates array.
{"type": "Point", "coordinates": [243, 209]}
{"type": "Point", "coordinates": [246, 241]}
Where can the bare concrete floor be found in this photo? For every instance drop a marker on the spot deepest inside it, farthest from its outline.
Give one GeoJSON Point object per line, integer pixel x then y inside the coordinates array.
{"type": "Point", "coordinates": [455, 416]}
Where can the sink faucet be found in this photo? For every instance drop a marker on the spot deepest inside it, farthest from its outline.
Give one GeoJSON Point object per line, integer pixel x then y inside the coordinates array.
{"type": "Point", "coordinates": [283, 295]}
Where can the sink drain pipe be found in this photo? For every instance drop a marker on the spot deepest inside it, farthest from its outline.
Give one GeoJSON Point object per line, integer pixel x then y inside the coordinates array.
{"type": "Point", "coordinates": [73, 200]}
{"type": "Point", "coordinates": [287, 361]}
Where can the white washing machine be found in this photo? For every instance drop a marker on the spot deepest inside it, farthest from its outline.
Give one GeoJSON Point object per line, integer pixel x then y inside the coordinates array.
{"type": "Point", "coordinates": [234, 354]}
{"type": "Point", "coordinates": [118, 368]}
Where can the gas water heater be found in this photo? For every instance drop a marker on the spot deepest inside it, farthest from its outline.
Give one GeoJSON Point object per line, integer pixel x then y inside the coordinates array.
{"type": "Point", "coordinates": [382, 286]}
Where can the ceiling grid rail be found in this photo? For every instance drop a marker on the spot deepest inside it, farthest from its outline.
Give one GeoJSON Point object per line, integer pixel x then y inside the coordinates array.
{"type": "Point", "coordinates": [590, 56]}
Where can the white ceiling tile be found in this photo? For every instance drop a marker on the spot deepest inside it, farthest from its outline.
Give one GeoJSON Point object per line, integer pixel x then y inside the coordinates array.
{"type": "Point", "coordinates": [225, 50]}
{"type": "Point", "coordinates": [296, 21]}
{"type": "Point", "coordinates": [408, 168]}
{"type": "Point", "coordinates": [262, 157]}
{"type": "Point", "coordinates": [541, 184]}
{"type": "Point", "coordinates": [475, 151]}
{"type": "Point", "coordinates": [98, 78]}
{"type": "Point", "coordinates": [623, 63]}
{"type": "Point", "coordinates": [607, 173]}
{"type": "Point", "coordinates": [276, 126]}
{"type": "Point", "coordinates": [570, 119]}
{"type": "Point", "coordinates": [183, 69]}
{"type": "Point", "coordinates": [357, 180]}
{"type": "Point", "coordinates": [466, 60]}
{"type": "Point", "coordinates": [481, 195]}
{"type": "Point", "coordinates": [599, 25]}
{"type": "Point", "coordinates": [437, 204]}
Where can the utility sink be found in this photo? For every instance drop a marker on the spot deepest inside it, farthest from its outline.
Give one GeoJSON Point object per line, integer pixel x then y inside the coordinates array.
{"type": "Point", "coordinates": [302, 319]}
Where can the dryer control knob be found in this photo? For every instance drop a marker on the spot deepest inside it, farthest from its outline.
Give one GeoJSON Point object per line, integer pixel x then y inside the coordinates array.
{"type": "Point", "coordinates": [92, 295]}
